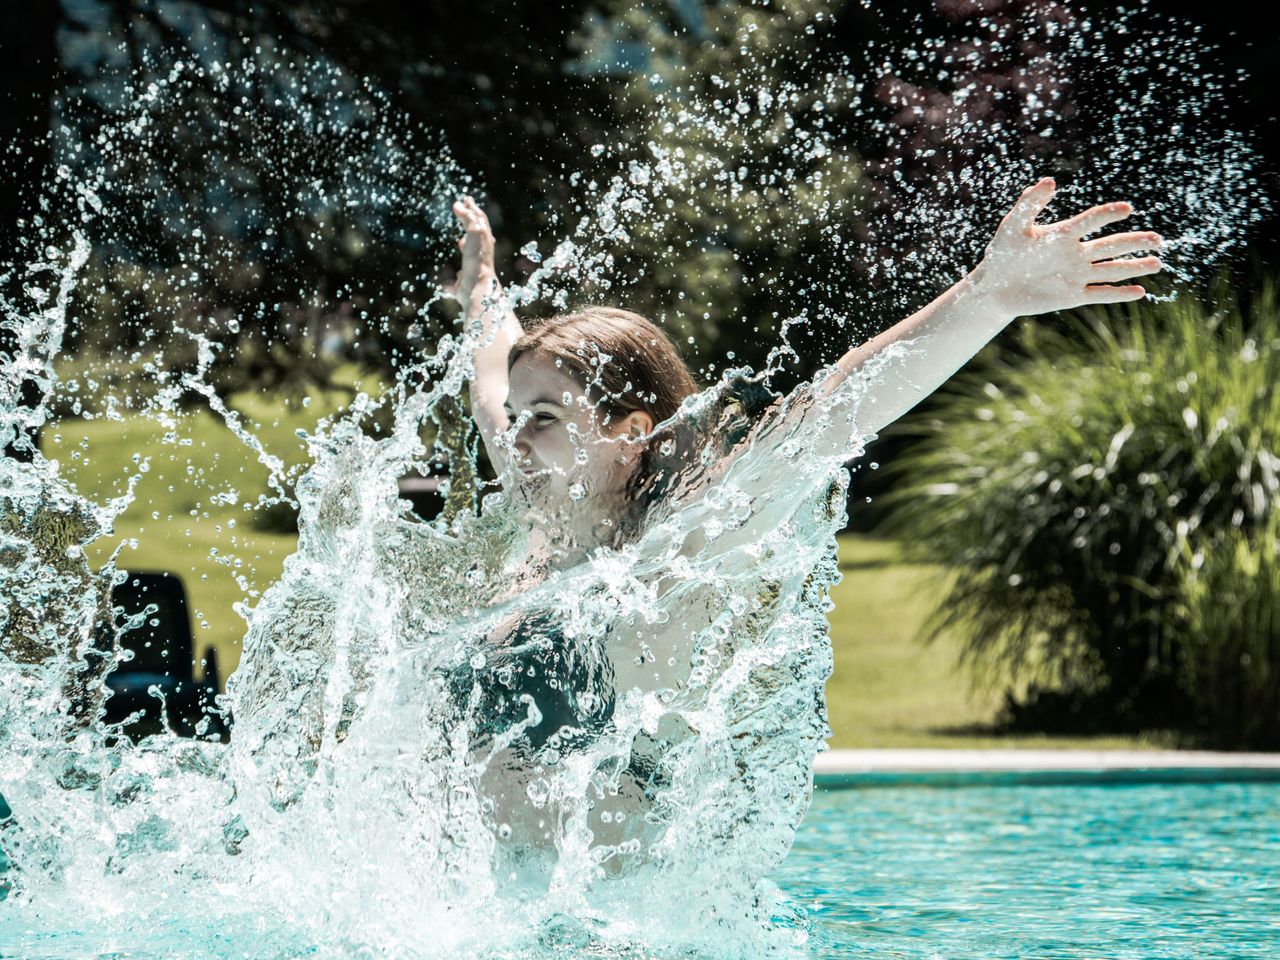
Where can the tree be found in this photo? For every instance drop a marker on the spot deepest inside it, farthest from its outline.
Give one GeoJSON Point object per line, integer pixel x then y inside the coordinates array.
{"type": "Point", "coordinates": [730, 151]}
{"type": "Point", "coordinates": [28, 77]}
{"type": "Point", "coordinates": [268, 173]}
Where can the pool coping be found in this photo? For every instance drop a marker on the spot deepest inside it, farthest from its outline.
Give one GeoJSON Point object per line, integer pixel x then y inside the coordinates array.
{"type": "Point", "coordinates": [836, 769]}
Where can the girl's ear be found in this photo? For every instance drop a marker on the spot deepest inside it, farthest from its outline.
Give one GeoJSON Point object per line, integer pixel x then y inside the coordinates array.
{"type": "Point", "coordinates": [637, 423]}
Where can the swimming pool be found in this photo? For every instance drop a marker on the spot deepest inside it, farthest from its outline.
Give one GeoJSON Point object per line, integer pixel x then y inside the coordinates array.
{"type": "Point", "coordinates": [994, 871]}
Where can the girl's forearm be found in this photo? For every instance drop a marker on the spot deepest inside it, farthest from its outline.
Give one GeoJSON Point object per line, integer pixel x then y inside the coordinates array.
{"type": "Point", "coordinates": [951, 329]}
{"type": "Point", "coordinates": [1028, 269]}
{"type": "Point", "coordinates": [499, 328]}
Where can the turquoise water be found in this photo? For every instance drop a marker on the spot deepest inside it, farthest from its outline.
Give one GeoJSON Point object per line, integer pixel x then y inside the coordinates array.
{"type": "Point", "coordinates": [1116, 871]}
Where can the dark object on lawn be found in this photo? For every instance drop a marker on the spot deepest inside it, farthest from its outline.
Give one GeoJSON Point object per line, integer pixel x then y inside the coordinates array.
{"type": "Point", "coordinates": [426, 493]}
{"type": "Point", "coordinates": [162, 665]}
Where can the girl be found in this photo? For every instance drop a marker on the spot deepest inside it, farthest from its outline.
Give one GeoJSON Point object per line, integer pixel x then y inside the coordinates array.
{"type": "Point", "coordinates": [587, 419]}
{"type": "Point", "coordinates": [572, 404]}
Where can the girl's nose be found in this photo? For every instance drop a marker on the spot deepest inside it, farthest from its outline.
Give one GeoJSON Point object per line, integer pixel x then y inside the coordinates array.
{"type": "Point", "coordinates": [521, 444]}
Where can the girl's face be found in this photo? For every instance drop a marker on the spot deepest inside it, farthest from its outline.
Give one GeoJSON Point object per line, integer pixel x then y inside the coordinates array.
{"type": "Point", "coordinates": [560, 435]}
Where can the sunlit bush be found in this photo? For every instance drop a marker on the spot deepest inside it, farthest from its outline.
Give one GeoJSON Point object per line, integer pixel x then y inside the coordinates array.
{"type": "Point", "coordinates": [1068, 494]}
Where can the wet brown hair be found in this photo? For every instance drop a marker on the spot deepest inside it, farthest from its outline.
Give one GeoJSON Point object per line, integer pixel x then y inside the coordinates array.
{"type": "Point", "coordinates": [624, 361]}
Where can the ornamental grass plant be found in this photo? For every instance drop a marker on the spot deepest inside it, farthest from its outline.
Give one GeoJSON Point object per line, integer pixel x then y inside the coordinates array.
{"type": "Point", "coordinates": [1075, 499]}
{"type": "Point", "coordinates": [1230, 655]}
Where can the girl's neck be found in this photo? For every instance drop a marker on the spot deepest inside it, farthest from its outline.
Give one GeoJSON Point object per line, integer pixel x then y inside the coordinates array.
{"type": "Point", "coordinates": [582, 528]}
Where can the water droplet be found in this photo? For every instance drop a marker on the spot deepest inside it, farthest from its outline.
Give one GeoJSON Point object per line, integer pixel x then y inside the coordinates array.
{"type": "Point", "coordinates": [539, 792]}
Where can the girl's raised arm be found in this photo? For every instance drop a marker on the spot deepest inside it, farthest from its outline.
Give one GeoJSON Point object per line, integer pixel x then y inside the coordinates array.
{"type": "Point", "coordinates": [1029, 268]}
{"type": "Point", "coordinates": [493, 322]}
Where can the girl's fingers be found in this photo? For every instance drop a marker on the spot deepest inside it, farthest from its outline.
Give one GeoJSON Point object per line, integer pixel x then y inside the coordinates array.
{"type": "Point", "coordinates": [1102, 293]}
{"type": "Point", "coordinates": [1032, 203]}
{"type": "Point", "coordinates": [471, 218]}
{"type": "Point", "coordinates": [1095, 218]}
{"type": "Point", "coordinates": [1121, 244]}
{"type": "Point", "coordinates": [476, 211]}
{"type": "Point", "coordinates": [1124, 269]}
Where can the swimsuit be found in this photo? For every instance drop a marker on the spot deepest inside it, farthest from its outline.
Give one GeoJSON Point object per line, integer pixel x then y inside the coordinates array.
{"type": "Point", "coordinates": [569, 682]}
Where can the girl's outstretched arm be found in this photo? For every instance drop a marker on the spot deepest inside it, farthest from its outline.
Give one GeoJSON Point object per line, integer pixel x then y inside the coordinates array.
{"type": "Point", "coordinates": [492, 321]}
{"type": "Point", "coordinates": [1029, 268]}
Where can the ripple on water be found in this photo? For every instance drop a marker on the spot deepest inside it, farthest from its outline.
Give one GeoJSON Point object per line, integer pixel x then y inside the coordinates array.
{"type": "Point", "coordinates": [1143, 871]}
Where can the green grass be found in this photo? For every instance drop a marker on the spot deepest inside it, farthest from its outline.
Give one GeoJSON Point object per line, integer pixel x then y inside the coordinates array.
{"type": "Point", "coordinates": [888, 690]}
{"type": "Point", "coordinates": [171, 523]}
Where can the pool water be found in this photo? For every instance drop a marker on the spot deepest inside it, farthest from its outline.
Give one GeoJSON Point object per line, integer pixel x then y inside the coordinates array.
{"type": "Point", "coordinates": [1115, 871]}
{"type": "Point", "coordinates": [1110, 871]}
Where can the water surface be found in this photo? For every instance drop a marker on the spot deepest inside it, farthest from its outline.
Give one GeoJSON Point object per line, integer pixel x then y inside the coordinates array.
{"type": "Point", "coordinates": [1116, 871]}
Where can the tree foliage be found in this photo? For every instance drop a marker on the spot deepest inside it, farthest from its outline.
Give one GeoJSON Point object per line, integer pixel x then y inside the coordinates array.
{"type": "Point", "coordinates": [740, 117]}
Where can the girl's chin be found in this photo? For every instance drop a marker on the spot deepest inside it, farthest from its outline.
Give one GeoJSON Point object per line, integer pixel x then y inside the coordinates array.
{"type": "Point", "coordinates": [538, 487]}
{"type": "Point", "coordinates": [556, 489]}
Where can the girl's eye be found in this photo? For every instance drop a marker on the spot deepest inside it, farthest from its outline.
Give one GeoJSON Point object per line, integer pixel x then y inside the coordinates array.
{"type": "Point", "coordinates": [544, 417]}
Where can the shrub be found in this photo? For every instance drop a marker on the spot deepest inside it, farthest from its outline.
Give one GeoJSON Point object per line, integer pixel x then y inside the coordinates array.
{"type": "Point", "coordinates": [1067, 495]}
{"type": "Point", "coordinates": [1230, 615]}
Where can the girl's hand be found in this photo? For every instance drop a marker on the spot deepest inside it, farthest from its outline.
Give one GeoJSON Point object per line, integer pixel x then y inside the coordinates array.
{"type": "Point", "coordinates": [476, 245]}
{"type": "Point", "coordinates": [1032, 268]}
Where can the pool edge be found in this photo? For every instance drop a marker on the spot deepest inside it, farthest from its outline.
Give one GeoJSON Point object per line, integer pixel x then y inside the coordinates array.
{"type": "Point", "coordinates": [846, 769]}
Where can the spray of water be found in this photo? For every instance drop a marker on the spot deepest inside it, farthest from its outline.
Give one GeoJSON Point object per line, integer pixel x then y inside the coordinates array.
{"type": "Point", "coordinates": [446, 740]}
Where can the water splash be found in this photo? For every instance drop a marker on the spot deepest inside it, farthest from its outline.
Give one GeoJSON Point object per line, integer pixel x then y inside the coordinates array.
{"type": "Point", "coordinates": [368, 799]}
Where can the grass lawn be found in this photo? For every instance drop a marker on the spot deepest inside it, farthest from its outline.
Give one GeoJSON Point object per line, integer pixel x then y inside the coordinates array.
{"type": "Point", "coordinates": [888, 690]}
{"type": "Point", "coordinates": [178, 521]}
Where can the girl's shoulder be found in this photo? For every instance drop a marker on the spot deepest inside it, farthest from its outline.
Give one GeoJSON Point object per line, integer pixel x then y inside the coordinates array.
{"type": "Point", "coordinates": [698, 443]}
{"type": "Point", "coordinates": [746, 397]}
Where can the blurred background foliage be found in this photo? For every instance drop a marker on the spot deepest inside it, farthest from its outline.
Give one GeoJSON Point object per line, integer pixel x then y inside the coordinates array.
{"type": "Point", "coordinates": [1228, 620]}
{"type": "Point", "coordinates": [1097, 490]}
{"type": "Point", "coordinates": [1109, 506]}
{"type": "Point", "coordinates": [519, 94]}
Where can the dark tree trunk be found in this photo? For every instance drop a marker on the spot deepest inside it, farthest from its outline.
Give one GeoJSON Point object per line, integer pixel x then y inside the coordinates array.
{"type": "Point", "coordinates": [29, 72]}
